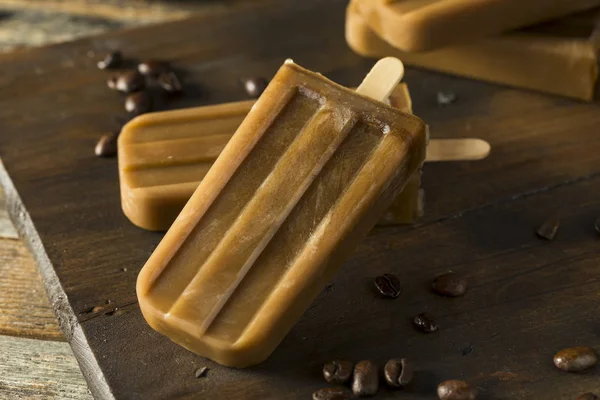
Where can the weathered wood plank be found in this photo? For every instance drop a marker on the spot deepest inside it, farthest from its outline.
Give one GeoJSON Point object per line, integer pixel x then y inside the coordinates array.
{"type": "Point", "coordinates": [24, 306]}
{"type": "Point", "coordinates": [39, 369]}
{"type": "Point", "coordinates": [7, 229]}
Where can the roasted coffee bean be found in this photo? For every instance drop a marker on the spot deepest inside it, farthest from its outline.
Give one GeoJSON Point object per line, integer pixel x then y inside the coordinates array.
{"type": "Point", "coordinates": [111, 60]}
{"type": "Point", "coordinates": [388, 285]}
{"type": "Point", "coordinates": [597, 225]}
{"type": "Point", "coordinates": [138, 102]}
{"type": "Point", "coordinates": [425, 323]}
{"type": "Point", "coordinates": [456, 390]}
{"type": "Point", "coordinates": [332, 393]}
{"type": "Point", "coordinates": [127, 82]}
{"type": "Point", "coordinates": [398, 372]}
{"type": "Point", "coordinates": [576, 359]}
{"type": "Point", "coordinates": [255, 86]}
{"type": "Point", "coordinates": [450, 284]}
{"type": "Point", "coordinates": [365, 381]}
{"type": "Point", "coordinates": [107, 145]}
{"type": "Point", "coordinates": [169, 82]}
{"type": "Point", "coordinates": [152, 67]}
{"type": "Point", "coordinates": [337, 371]}
{"type": "Point", "coordinates": [548, 229]}
{"type": "Point", "coordinates": [588, 396]}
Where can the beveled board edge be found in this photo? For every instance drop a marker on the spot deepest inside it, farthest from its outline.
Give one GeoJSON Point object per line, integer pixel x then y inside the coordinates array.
{"type": "Point", "coordinates": [67, 319]}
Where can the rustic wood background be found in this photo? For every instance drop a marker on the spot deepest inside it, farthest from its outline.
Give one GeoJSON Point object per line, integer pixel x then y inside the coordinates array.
{"type": "Point", "coordinates": [35, 360]}
{"type": "Point", "coordinates": [528, 297]}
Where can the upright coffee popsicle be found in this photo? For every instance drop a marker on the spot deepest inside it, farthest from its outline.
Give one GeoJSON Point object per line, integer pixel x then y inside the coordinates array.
{"type": "Point", "coordinates": [305, 177]}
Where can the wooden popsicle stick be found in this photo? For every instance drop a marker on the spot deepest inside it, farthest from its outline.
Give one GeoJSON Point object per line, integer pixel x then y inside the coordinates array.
{"type": "Point", "coordinates": [382, 79]}
{"type": "Point", "coordinates": [457, 150]}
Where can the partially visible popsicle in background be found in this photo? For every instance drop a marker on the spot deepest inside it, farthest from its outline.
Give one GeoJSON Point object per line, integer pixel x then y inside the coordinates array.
{"type": "Point", "coordinates": [305, 177]}
{"type": "Point", "coordinates": [559, 57]}
{"type": "Point", "coordinates": [423, 25]}
{"type": "Point", "coordinates": [164, 156]}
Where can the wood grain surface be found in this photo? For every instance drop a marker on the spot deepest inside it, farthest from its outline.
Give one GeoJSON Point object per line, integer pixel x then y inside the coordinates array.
{"type": "Point", "coordinates": [528, 297]}
{"type": "Point", "coordinates": [37, 369]}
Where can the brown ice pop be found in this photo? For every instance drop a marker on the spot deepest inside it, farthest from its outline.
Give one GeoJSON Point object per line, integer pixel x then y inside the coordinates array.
{"type": "Point", "coordinates": [305, 177]}
{"type": "Point", "coordinates": [423, 25]}
{"type": "Point", "coordinates": [558, 58]}
{"type": "Point", "coordinates": [163, 157]}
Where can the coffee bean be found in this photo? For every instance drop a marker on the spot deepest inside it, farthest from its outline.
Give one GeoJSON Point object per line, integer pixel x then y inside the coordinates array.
{"type": "Point", "coordinates": [107, 145]}
{"type": "Point", "coordinates": [456, 390]}
{"type": "Point", "coordinates": [548, 229]}
{"type": "Point", "coordinates": [152, 67]}
{"type": "Point", "coordinates": [588, 396]}
{"type": "Point", "coordinates": [425, 323]}
{"type": "Point", "coordinates": [255, 86]}
{"type": "Point", "coordinates": [365, 381]}
{"type": "Point", "coordinates": [138, 103]}
{"type": "Point", "coordinates": [450, 284]}
{"type": "Point", "coordinates": [398, 372]}
{"type": "Point", "coordinates": [576, 359]}
{"type": "Point", "coordinates": [388, 285]}
{"type": "Point", "coordinates": [337, 371]}
{"type": "Point", "coordinates": [127, 82]}
{"type": "Point", "coordinates": [332, 393]}
{"type": "Point", "coordinates": [597, 225]}
{"type": "Point", "coordinates": [169, 82]}
{"type": "Point", "coordinates": [111, 60]}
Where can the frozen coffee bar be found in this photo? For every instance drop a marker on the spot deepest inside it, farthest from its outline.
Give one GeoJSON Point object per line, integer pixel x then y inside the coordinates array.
{"type": "Point", "coordinates": [307, 174]}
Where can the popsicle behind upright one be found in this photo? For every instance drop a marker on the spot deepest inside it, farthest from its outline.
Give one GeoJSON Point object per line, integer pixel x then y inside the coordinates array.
{"type": "Point", "coordinates": [302, 181]}
{"type": "Point", "coordinates": [163, 157]}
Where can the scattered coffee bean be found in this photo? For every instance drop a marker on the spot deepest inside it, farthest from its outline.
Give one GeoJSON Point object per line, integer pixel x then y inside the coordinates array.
{"type": "Point", "coordinates": [398, 372]}
{"type": "Point", "coordinates": [450, 284]}
{"type": "Point", "coordinates": [152, 67]}
{"type": "Point", "coordinates": [365, 381]}
{"type": "Point", "coordinates": [127, 82]}
{"type": "Point", "coordinates": [201, 372]}
{"type": "Point", "coordinates": [425, 323]}
{"type": "Point", "coordinates": [111, 60]}
{"type": "Point", "coordinates": [576, 359]}
{"type": "Point", "coordinates": [107, 145]}
{"type": "Point", "coordinates": [332, 393]}
{"type": "Point", "coordinates": [588, 396]}
{"type": "Point", "coordinates": [597, 225]}
{"type": "Point", "coordinates": [548, 229]}
{"type": "Point", "coordinates": [388, 285]}
{"type": "Point", "coordinates": [255, 86]}
{"type": "Point", "coordinates": [138, 103]}
{"type": "Point", "coordinates": [456, 390]}
{"type": "Point", "coordinates": [337, 371]}
{"type": "Point", "coordinates": [445, 98]}
{"type": "Point", "coordinates": [116, 311]}
{"type": "Point", "coordinates": [169, 82]}
{"type": "Point", "coordinates": [108, 301]}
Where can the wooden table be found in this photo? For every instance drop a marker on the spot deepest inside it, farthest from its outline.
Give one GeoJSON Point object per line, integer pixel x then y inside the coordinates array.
{"type": "Point", "coordinates": [528, 298]}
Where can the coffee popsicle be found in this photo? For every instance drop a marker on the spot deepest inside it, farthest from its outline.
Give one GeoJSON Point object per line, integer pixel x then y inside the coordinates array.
{"type": "Point", "coordinates": [163, 157]}
{"type": "Point", "coordinates": [559, 57]}
{"type": "Point", "coordinates": [305, 177]}
{"type": "Point", "coordinates": [423, 25]}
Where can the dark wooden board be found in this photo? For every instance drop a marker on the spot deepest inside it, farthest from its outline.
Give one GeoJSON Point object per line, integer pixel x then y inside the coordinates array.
{"type": "Point", "coordinates": [528, 298]}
